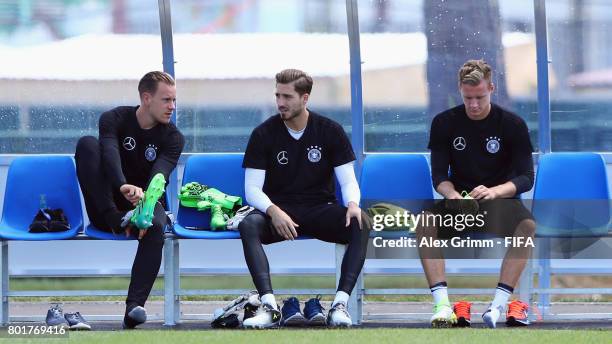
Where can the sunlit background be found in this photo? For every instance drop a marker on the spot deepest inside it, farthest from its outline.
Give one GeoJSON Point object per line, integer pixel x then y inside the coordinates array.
{"type": "Point", "coordinates": [64, 62]}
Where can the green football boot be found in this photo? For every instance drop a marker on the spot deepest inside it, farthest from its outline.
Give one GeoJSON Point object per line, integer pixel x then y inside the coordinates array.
{"type": "Point", "coordinates": [143, 214]}
{"type": "Point", "coordinates": [443, 315]}
{"type": "Point", "coordinates": [190, 194]}
{"type": "Point", "coordinates": [468, 204]}
{"type": "Point", "coordinates": [213, 196]}
{"type": "Point", "coordinates": [218, 220]}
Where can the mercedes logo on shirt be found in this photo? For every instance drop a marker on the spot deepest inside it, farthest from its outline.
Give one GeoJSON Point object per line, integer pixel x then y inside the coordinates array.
{"type": "Point", "coordinates": [459, 143]}
{"type": "Point", "coordinates": [129, 143]}
{"type": "Point", "coordinates": [281, 157]}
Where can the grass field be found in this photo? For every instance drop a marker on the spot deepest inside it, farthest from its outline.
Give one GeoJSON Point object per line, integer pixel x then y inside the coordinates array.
{"type": "Point", "coordinates": [288, 281]}
{"type": "Point", "coordinates": [353, 336]}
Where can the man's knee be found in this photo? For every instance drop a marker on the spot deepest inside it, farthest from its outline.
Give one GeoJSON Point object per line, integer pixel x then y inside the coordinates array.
{"type": "Point", "coordinates": [526, 228]}
{"type": "Point", "coordinates": [159, 223]}
{"type": "Point", "coordinates": [424, 228]}
{"type": "Point", "coordinates": [365, 227]}
{"type": "Point", "coordinates": [86, 146]}
{"type": "Point", "coordinates": [155, 234]}
{"type": "Point", "coordinates": [251, 226]}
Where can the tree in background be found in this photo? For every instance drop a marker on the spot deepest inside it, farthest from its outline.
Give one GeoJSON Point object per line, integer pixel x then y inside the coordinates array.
{"type": "Point", "coordinates": [457, 31]}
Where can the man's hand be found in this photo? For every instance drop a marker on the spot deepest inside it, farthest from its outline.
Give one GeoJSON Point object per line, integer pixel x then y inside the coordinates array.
{"type": "Point", "coordinates": [132, 193]}
{"type": "Point", "coordinates": [128, 231]}
{"type": "Point", "coordinates": [454, 196]}
{"type": "Point", "coordinates": [283, 224]}
{"type": "Point", "coordinates": [483, 192]}
{"type": "Point", "coordinates": [447, 190]}
{"type": "Point", "coordinates": [451, 196]}
{"type": "Point", "coordinates": [353, 210]}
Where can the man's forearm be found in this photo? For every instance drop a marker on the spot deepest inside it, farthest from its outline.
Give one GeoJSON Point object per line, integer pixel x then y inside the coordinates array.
{"type": "Point", "coordinates": [505, 190]}
{"type": "Point", "coordinates": [447, 190]}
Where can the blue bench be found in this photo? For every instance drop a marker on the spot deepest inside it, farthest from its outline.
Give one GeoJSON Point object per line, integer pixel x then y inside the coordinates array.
{"type": "Point", "coordinates": [385, 177]}
{"type": "Point", "coordinates": [54, 178]}
{"type": "Point", "coordinates": [30, 178]}
{"type": "Point", "coordinates": [571, 200]}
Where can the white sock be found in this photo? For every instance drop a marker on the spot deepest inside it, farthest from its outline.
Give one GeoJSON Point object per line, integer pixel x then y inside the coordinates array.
{"type": "Point", "coordinates": [501, 298]}
{"type": "Point", "coordinates": [440, 294]}
{"type": "Point", "coordinates": [341, 297]}
{"type": "Point", "coordinates": [270, 300]}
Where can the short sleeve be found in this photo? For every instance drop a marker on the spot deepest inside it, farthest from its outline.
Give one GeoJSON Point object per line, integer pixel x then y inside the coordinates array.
{"type": "Point", "coordinates": [255, 155]}
{"type": "Point", "coordinates": [342, 151]}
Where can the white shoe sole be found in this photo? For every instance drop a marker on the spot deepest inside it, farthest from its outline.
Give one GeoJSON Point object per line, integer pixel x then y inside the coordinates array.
{"type": "Point", "coordinates": [513, 322]}
{"type": "Point", "coordinates": [295, 320]}
{"type": "Point", "coordinates": [338, 325]}
{"type": "Point", "coordinates": [260, 326]}
{"type": "Point", "coordinates": [343, 325]}
{"type": "Point", "coordinates": [317, 320]}
{"type": "Point", "coordinates": [80, 327]}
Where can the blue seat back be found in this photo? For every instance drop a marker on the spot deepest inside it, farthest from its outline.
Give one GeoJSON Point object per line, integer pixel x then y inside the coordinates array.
{"type": "Point", "coordinates": [396, 177]}
{"type": "Point", "coordinates": [32, 176]}
{"type": "Point", "coordinates": [221, 171]}
{"type": "Point", "coordinates": [401, 179]}
{"type": "Point", "coordinates": [571, 195]}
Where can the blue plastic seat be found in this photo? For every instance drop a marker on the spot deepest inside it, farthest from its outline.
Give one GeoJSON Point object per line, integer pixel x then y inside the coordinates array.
{"type": "Point", "coordinates": [571, 195]}
{"type": "Point", "coordinates": [396, 177]}
{"type": "Point", "coordinates": [221, 171]}
{"type": "Point", "coordinates": [29, 178]}
{"type": "Point", "coordinates": [400, 179]}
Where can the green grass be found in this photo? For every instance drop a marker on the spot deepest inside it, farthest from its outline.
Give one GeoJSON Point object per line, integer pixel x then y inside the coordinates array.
{"type": "Point", "coordinates": [353, 336]}
{"type": "Point", "coordinates": [235, 282]}
{"type": "Point", "coordinates": [287, 282]}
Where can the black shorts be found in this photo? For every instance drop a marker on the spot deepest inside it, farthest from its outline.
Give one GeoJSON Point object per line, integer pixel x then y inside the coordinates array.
{"type": "Point", "coordinates": [497, 218]}
{"type": "Point", "coordinates": [326, 221]}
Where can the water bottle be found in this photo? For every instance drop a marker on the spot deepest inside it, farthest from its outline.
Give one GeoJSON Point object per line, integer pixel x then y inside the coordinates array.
{"type": "Point", "coordinates": [43, 201]}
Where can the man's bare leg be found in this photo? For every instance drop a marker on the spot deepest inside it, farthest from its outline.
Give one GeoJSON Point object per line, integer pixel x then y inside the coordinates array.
{"type": "Point", "coordinates": [512, 266]}
{"type": "Point", "coordinates": [433, 264]}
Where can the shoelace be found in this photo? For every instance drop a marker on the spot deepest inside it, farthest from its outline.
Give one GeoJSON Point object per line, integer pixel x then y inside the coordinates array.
{"type": "Point", "coordinates": [78, 316]}
{"type": "Point", "coordinates": [517, 309]}
{"type": "Point", "coordinates": [292, 304]}
{"type": "Point", "coordinates": [315, 303]}
{"type": "Point", "coordinates": [264, 308]}
{"type": "Point", "coordinates": [56, 310]}
{"type": "Point", "coordinates": [340, 306]}
{"type": "Point", "coordinates": [462, 309]}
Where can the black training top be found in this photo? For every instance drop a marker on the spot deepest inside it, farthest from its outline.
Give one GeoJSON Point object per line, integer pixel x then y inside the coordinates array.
{"type": "Point", "coordinates": [487, 152]}
{"type": "Point", "coordinates": [299, 171]}
{"type": "Point", "coordinates": [134, 155]}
